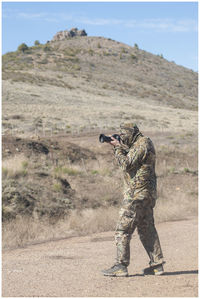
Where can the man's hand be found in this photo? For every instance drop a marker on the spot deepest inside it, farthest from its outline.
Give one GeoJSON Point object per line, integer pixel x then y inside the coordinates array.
{"type": "Point", "coordinates": [115, 142]}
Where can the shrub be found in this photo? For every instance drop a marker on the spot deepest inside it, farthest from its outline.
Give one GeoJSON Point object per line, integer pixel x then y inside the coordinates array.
{"type": "Point", "coordinates": [22, 48]}
{"type": "Point", "coordinates": [91, 52]}
{"type": "Point", "coordinates": [106, 53]}
{"type": "Point", "coordinates": [136, 46]}
{"type": "Point", "coordinates": [37, 43]}
{"type": "Point", "coordinates": [15, 167]}
{"type": "Point", "coordinates": [57, 187]}
{"type": "Point", "coordinates": [66, 170]}
{"type": "Point", "coordinates": [47, 48]}
{"type": "Point", "coordinates": [71, 52]}
{"type": "Point", "coordinates": [133, 56]}
{"type": "Point", "coordinates": [124, 51]}
{"type": "Point", "coordinates": [24, 164]}
{"type": "Point", "coordinates": [94, 172]}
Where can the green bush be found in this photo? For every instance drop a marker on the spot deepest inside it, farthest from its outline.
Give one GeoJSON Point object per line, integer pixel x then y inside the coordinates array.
{"type": "Point", "coordinates": [47, 48]}
{"type": "Point", "coordinates": [91, 52]}
{"type": "Point", "coordinates": [37, 43]}
{"type": "Point", "coordinates": [65, 170]}
{"type": "Point", "coordinates": [124, 51]}
{"type": "Point", "coordinates": [24, 164]}
{"type": "Point", "coordinates": [94, 172]}
{"type": "Point", "coordinates": [70, 52]}
{"type": "Point", "coordinates": [57, 187]}
{"type": "Point", "coordinates": [133, 56]}
{"type": "Point", "coordinates": [136, 46]}
{"type": "Point", "coordinates": [22, 48]}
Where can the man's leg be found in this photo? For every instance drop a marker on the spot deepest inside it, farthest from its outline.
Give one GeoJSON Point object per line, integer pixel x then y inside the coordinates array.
{"type": "Point", "coordinates": [149, 236]}
{"type": "Point", "coordinates": [125, 227]}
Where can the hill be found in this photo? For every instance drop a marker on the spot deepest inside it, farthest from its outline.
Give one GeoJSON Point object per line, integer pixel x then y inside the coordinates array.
{"type": "Point", "coordinates": [88, 82]}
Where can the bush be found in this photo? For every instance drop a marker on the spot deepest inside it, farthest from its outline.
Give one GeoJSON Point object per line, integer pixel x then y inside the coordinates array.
{"type": "Point", "coordinates": [65, 170]}
{"type": "Point", "coordinates": [15, 167]}
{"type": "Point", "coordinates": [136, 46]}
{"type": "Point", "coordinates": [91, 52]}
{"type": "Point", "coordinates": [17, 199]}
{"type": "Point", "coordinates": [47, 48]}
{"type": "Point", "coordinates": [37, 43]}
{"type": "Point", "coordinates": [124, 51]}
{"type": "Point", "coordinates": [22, 48]}
{"type": "Point", "coordinates": [133, 56]}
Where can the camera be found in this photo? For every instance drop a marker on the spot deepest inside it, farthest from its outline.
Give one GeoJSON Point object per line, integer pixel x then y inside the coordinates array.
{"type": "Point", "coordinates": [104, 138]}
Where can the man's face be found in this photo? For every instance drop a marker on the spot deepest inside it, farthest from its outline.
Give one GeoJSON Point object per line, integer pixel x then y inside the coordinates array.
{"type": "Point", "coordinates": [125, 136]}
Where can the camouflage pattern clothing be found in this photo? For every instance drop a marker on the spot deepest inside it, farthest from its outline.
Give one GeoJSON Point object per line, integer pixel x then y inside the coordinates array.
{"type": "Point", "coordinates": [136, 156]}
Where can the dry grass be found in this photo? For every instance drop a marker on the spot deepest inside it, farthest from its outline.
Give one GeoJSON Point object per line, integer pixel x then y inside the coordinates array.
{"type": "Point", "coordinates": [176, 207]}
{"type": "Point", "coordinates": [25, 231]}
{"type": "Point", "coordinates": [15, 167]}
{"type": "Point", "coordinates": [177, 199]}
{"type": "Point", "coordinates": [98, 184]}
{"type": "Point", "coordinates": [98, 187]}
{"type": "Point", "coordinates": [89, 91]}
{"type": "Point", "coordinates": [78, 110]}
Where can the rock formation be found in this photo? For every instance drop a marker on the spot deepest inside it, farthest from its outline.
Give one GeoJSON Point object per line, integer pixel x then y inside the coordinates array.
{"type": "Point", "coordinates": [68, 34]}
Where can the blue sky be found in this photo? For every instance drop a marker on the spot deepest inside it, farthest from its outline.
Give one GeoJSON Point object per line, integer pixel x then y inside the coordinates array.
{"type": "Point", "coordinates": [167, 28]}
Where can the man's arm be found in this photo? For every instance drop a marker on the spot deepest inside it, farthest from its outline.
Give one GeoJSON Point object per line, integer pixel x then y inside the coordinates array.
{"type": "Point", "coordinates": [129, 160]}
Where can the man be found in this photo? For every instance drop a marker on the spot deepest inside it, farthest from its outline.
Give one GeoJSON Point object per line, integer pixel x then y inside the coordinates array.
{"type": "Point", "coordinates": [136, 156]}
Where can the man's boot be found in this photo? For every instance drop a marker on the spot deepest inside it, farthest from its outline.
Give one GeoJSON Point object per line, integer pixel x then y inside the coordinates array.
{"type": "Point", "coordinates": [118, 270]}
{"type": "Point", "coordinates": [154, 270]}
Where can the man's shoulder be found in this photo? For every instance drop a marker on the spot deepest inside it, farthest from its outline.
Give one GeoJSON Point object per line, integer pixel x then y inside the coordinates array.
{"type": "Point", "coordinates": [142, 142]}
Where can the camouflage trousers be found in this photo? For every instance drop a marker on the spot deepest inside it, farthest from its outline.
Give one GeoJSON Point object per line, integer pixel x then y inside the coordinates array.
{"type": "Point", "coordinates": [137, 214]}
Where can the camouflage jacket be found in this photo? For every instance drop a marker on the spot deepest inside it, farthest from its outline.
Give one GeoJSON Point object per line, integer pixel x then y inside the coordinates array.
{"type": "Point", "coordinates": [138, 165]}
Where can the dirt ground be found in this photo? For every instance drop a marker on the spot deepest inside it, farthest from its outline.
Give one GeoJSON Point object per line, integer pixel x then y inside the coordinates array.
{"type": "Point", "coordinates": [72, 267]}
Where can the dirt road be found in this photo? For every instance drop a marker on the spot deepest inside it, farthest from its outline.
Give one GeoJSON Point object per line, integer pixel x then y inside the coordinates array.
{"type": "Point", "coordinates": [72, 267]}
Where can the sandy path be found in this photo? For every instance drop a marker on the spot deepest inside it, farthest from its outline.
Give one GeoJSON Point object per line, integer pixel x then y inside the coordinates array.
{"type": "Point", "coordinates": [72, 267]}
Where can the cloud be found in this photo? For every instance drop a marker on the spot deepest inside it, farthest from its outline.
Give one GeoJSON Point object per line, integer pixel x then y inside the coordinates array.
{"type": "Point", "coordinates": [31, 15]}
{"type": "Point", "coordinates": [100, 22]}
{"type": "Point", "coordinates": [158, 25]}
{"type": "Point", "coordinates": [164, 25]}
{"type": "Point", "coordinates": [155, 25]}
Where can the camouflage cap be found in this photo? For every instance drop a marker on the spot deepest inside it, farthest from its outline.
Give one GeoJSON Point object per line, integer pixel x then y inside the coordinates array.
{"type": "Point", "coordinates": [128, 132]}
{"type": "Point", "coordinates": [129, 127]}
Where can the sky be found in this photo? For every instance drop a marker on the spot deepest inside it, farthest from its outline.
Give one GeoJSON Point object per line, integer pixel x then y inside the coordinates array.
{"type": "Point", "coordinates": [167, 28]}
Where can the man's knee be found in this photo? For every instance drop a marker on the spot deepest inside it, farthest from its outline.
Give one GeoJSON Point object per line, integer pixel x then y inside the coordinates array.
{"type": "Point", "coordinates": [125, 226]}
{"type": "Point", "coordinates": [122, 236]}
{"type": "Point", "coordinates": [146, 229]}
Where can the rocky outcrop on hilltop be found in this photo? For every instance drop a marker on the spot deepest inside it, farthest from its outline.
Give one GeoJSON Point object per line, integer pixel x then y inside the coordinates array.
{"type": "Point", "coordinates": [61, 35]}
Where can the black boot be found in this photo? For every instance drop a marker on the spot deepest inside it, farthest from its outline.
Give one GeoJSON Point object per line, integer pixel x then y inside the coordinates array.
{"type": "Point", "coordinates": [118, 270]}
{"type": "Point", "coordinates": [154, 270]}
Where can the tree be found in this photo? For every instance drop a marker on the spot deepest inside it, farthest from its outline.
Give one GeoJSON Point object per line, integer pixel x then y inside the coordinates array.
{"type": "Point", "coordinates": [22, 48]}
{"type": "Point", "coordinates": [136, 46]}
{"type": "Point", "coordinates": [37, 43]}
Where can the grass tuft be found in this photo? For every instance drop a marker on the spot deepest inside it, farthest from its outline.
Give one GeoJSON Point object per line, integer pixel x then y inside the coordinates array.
{"type": "Point", "coordinates": [15, 167]}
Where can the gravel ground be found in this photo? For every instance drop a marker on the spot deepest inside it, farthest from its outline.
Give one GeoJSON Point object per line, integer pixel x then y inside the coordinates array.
{"type": "Point", "coordinates": [72, 267]}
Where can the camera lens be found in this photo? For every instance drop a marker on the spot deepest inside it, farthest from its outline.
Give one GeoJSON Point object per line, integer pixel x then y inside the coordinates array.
{"type": "Point", "coordinates": [102, 138]}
